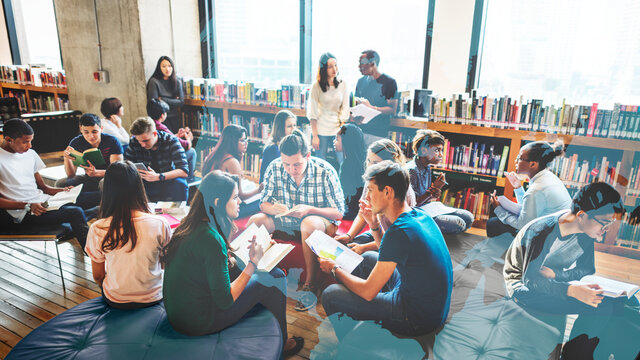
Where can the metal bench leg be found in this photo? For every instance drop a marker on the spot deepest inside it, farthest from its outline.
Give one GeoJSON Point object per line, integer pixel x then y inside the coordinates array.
{"type": "Point", "coordinates": [64, 289]}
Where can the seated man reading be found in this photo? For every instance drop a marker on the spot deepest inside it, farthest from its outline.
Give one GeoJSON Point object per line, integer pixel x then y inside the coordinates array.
{"type": "Point", "coordinates": [91, 137]}
{"type": "Point", "coordinates": [407, 285]}
{"type": "Point", "coordinates": [428, 145]}
{"type": "Point", "coordinates": [310, 187]}
{"type": "Point", "coordinates": [23, 193]}
{"type": "Point", "coordinates": [164, 168]}
{"type": "Point", "coordinates": [553, 250]}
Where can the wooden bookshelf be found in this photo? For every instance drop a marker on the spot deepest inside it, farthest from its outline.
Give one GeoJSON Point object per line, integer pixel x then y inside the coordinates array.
{"type": "Point", "coordinates": [29, 89]}
{"type": "Point", "coordinates": [226, 107]}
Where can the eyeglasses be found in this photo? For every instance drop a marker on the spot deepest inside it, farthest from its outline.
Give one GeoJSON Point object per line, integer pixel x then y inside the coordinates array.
{"type": "Point", "coordinates": [605, 224]}
{"type": "Point", "coordinates": [518, 158]}
{"type": "Point", "coordinates": [244, 140]}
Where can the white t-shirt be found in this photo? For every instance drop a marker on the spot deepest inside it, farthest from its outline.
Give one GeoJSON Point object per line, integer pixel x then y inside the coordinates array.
{"type": "Point", "coordinates": [329, 108]}
{"type": "Point", "coordinates": [132, 276]}
{"type": "Point", "coordinates": [119, 133]}
{"type": "Point", "coordinates": [17, 178]}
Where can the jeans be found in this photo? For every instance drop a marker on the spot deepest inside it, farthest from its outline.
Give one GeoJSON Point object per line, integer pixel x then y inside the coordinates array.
{"type": "Point", "coordinates": [496, 227]}
{"type": "Point", "coordinates": [267, 289]}
{"type": "Point", "coordinates": [326, 142]}
{"type": "Point", "coordinates": [385, 308]}
{"type": "Point", "coordinates": [364, 238]}
{"type": "Point", "coordinates": [458, 221]}
{"type": "Point", "coordinates": [168, 190]}
{"type": "Point", "coordinates": [191, 161]}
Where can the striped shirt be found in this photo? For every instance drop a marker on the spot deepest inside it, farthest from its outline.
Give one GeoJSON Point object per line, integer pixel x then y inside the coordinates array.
{"type": "Point", "coordinates": [319, 188]}
{"type": "Point", "coordinates": [168, 156]}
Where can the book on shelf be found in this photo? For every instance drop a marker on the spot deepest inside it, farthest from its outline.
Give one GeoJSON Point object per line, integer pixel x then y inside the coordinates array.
{"type": "Point", "coordinates": [257, 127]}
{"type": "Point", "coordinates": [207, 123]}
{"type": "Point", "coordinates": [475, 202]}
{"type": "Point", "coordinates": [612, 288]}
{"type": "Point", "coordinates": [93, 155]}
{"type": "Point", "coordinates": [273, 253]}
{"type": "Point", "coordinates": [629, 232]}
{"type": "Point", "coordinates": [576, 173]}
{"type": "Point", "coordinates": [476, 158]}
{"type": "Point", "coordinates": [326, 246]}
{"type": "Point", "coordinates": [32, 75]}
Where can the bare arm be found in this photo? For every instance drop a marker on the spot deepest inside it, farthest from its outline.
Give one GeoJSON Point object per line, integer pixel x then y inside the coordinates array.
{"type": "Point", "coordinates": [99, 272]}
{"type": "Point", "coordinates": [365, 288]}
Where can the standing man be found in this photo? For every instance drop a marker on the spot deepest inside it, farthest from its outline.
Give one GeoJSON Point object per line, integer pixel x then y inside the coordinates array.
{"type": "Point", "coordinates": [377, 91]}
{"type": "Point", "coordinates": [407, 286]}
{"type": "Point", "coordinates": [310, 189]}
{"type": "Point", "coordinates": [164, 158]}
{"type": "Point", "coordinates": [428, 145]}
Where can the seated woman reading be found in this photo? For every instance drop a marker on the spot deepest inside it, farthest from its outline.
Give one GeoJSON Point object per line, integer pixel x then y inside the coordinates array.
{"type": "Point", "coordinates": [205, 292]}
{"type": "Point", "coordinates": [125, 243]}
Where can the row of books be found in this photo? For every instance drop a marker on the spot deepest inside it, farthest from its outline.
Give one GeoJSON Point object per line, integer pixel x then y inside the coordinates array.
{"type": "Point", "coordinates": [32, 75]}
{"type": "Point", "coordinates": [475, 202]}
{"type": "Point", "coordinates": [288, 96]}
{"type": "Point", "coordinates": [46, 103]}
{"type": "Point", "coordinates": [206, 123]}
{"type": "Point", "coordinates": [21, 97]}
{"type": "Point", "coordinates": [477, 158]}
{"type": "Point", "coordinates": [621, 122]}
{"type": "Point", "coordinates": [257, 127]}
{"type": "Point", "coordinates": [633, 187]}
{"type": "Point", "coordinates": [251, 165]}
{"type": "Point", "coordinates": [629, 233]}
{"type": "Point", "coordinates": [576, 174]}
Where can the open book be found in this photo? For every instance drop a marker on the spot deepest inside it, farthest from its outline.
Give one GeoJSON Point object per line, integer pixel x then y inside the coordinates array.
{"type": "Point", "coordinates": [82, 158]}
{"type": "Point", "coordinates": [509, 205]}
{"type": "Point", "coordinates": [286, 213]}
{"type": "Point", "coordinates": [612, 288]}
{"type": "Point", "coordinates": [63, 197]}
{"type": "Point", "coordinates": [366, 112]}
{"type": "Point", "coordinates": [273, 253]}
{"type": "Point", "coordinates": [325, 246]}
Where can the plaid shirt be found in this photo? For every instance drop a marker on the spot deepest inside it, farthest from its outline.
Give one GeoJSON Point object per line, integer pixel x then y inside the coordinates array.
{"type": "Point", "coordinates": [168, 156]}
{"type": "Point", "coordinates": [319, 188]}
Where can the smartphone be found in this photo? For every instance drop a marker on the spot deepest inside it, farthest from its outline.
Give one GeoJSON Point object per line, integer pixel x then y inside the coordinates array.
{"type": "Point", "coordinates": [141, 166]}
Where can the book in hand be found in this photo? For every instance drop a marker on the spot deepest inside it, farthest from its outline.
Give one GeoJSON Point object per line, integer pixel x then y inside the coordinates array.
{"type": "Point", "coordinates": [92, 155]}
{"type": "Point", "coordinates": [366, 112]}
{"type": "Point", "coordinates": [63, 197]}
{"type": "Point", "coordinates": [325, 246]}
{"type": "Point", "coordinates": [288, 212]}
{"type": "Point", "coordinates": [509, 205]}
{"type": "Point", "coordinates": [273, 253]}
{"type": "Point", "coordinates": [612, 288]}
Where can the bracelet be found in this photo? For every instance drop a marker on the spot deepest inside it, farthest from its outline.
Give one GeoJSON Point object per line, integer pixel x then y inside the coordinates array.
{"type": "Point", "coordinates": [254, 264]}
{"type": "Point", "coordinates": [349, 236]}
{"type": "Point", "coordinates": [377, 228]}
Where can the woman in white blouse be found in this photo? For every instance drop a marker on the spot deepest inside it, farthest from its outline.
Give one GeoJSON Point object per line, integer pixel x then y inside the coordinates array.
{"type": "Point", "coordinates": [113, 111]}
{"type": "Point", "coordinates": [328, 106]}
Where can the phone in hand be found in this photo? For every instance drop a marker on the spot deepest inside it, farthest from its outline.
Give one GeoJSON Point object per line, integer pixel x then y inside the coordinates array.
{"type": "Point", "coordinates": [141, 166]}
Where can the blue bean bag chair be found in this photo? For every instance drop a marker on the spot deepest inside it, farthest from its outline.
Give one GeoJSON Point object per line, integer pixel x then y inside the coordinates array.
{"type": "Point", "coordinates": [93, 330]}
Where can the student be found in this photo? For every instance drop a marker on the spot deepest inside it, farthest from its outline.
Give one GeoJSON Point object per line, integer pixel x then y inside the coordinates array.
{"type": "Point", "coordinates": [91, 136]}
{"type": "Point", "coordinates": [428, 145]}
{"type": "Point", "coordinates": [379, 151]}
{"type": "Point", "coordinates": [350, 142]}
{"type": "Point", "coordinates": [23, 193]}
{"type": "Point", "coordinates": [113, 111]}
{"type": "Point", "coordinates": [164, 85]}
{"type": "Point", "coordinates": [312, 186]}
{"type": "Point", "coordinates": [377, 91]}
{"type": "Point", "coordinates": [124, 244]}
{"type": "Point", "coordinates": [283, 124]}
{"type": "Point", "coordinates": [328, 106]}
{"type": "Point", "coordinates": [396, 287]}
{"type": "Point", "coordinates": [164, 159]}
{"type": "Point", "coordinates": [227, 156]}
{"type": "Point", "coordinates": [551, 251]}
{"type": "Point", "coordinates": [157, 111]}
{"type": "Point", "coordinates": [204, 292]}
{"type": "Point", "coordinates": [546, 193]}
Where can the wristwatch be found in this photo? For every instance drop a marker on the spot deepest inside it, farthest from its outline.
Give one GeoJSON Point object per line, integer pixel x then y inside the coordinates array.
{"type": "Point", "coordinates": [333, 270]}
{"type": "Point", "coordinates": [162, 177]}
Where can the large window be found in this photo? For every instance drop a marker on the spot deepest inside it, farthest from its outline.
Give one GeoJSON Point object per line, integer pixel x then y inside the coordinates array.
{"type": "Point", "coordinates": [37, 32]}
{"type": "Point", "coordinates": [258, 40]}
{"type": "Point", "coordinates": [584, 51]}
{"type": "Point", "coordinates": [396, 30]}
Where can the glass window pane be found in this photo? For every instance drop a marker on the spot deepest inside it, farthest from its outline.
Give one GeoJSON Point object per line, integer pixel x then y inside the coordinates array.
{"type": "Point", "coordinates": [258, 41]}
{"type": "Point", "coordinates": [585, 51]}
{"type": "Point", "coordinates": [396, 30]}
{"type": "Point", "coordinates": [37, 32]}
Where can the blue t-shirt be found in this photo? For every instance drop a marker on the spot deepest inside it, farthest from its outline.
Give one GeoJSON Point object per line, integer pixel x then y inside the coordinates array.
{"type": "Point", "coordinates": [378, 91]}
{"type": "Point", "coordinates": [416, 245]}
{"type": "Point", "coordinates": [270, 153]}
{"type": "Point", "coordinates": [108, 146]}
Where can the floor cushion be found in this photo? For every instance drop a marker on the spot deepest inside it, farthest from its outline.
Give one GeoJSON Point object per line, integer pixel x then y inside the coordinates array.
{"type": "Point", "coordinates": [93, 330]}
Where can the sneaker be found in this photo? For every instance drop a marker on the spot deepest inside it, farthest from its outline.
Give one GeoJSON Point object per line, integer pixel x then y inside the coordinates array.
{"type": "Point", "coordinates": [294, 350]}
{"type": "Point", "coordinates": [307, 299]}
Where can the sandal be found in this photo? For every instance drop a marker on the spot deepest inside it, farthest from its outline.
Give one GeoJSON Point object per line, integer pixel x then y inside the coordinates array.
{"type": "Point", "coordinates": [294, 350]}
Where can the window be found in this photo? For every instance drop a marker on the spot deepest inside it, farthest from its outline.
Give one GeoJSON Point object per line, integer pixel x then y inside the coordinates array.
{"type": "Point", "coordinates": [258, 41]}
{"type": "Point", "coordinates": [37, 32]}
{"type": "Point", "coordinates": [585, 51]}
{"type": "Point", "coordinates": [397, 31]}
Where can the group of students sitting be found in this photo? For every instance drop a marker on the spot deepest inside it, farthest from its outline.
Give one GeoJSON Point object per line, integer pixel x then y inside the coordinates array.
{"type": "Point", "coordinates": [405, 280]}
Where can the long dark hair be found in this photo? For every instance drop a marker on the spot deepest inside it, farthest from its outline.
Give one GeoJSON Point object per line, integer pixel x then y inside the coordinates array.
{"type": "Point", "coordinates": [355, 154]}
{"type": "Point", "coordinates": [157, 73]}
{"type": "Point", "coordinates": [323, 78]}
{"type": "Point", "coordinates": [228, 144]}
{"type": "Point", "coordinates": [216, 185]}
{"type": "Point", "coordinates": [122, 194]}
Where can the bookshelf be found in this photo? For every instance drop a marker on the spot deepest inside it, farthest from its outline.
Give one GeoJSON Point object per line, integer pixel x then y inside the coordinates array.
{"type": "Point", "coordinates": [517, 138]}
{"type": "Point", "coordinates": [35, 99]}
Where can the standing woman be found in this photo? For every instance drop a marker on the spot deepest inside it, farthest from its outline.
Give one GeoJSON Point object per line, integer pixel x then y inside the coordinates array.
{"type": "Point", "coordinates": [328, 106]}
{"type": "Point", "coordinates": [227, 156]}
{"type": "Point", "coordinates": [113, 111]}
{"type": "Point", "coordinates": [125, 243]}
{"type": "Point", "coordinates": [164, 85]}
{"type": "Point", "coordinates": [204, 292]}
{"type": "Point", "coordinates": [283, 124]}
{"type": "Point", "coordinates": [350, 141]}
{"type": "Point", "coordinates": [546, 193]}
